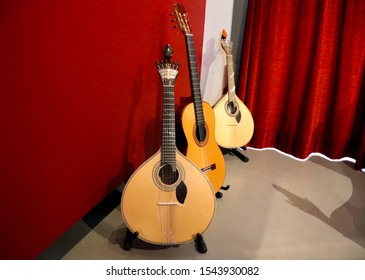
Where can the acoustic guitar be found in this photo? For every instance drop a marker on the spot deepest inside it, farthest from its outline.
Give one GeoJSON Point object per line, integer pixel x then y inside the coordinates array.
{"type": "Point", "coordinates": [234, 122]}
{"type": "Point", "coordinates": [198, 120]}
{"type": "Point", "coordinates": [168, 200]}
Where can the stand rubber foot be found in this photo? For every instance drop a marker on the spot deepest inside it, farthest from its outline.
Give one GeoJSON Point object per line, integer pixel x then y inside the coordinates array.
{"type": "Point", "coordinates": [218, 195]}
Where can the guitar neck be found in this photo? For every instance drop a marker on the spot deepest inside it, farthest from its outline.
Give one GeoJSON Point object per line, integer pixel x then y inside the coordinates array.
{"type": "Point", "coordinates": [194, 79]}
{"type": "Point", "coordinates": [230, 74]}
{"type": "Point", "coordinates": [168, 148]}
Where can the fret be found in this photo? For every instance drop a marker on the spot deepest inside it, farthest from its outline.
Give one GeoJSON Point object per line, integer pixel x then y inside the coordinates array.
{"type": "Point", "coordinates": [230, 74]}
{"type": "Point", "coordinates": [168, 71]}
{"type": "Point", "coordinates": [168, 147]}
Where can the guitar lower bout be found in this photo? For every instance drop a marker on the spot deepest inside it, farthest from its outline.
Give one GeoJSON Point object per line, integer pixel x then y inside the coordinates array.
{"type": "Point", "coordinates": [166, 214]}
{"type": "Point", "coordinates": [206, 154]}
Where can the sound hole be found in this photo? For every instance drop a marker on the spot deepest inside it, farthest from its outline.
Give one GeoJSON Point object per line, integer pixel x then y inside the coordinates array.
{"type": "Point", "coordinates": [201, 133]}
{"type": "Point", "coordinates": [232, 107]}
{"type": "Point", "coordinates": [168, 175]}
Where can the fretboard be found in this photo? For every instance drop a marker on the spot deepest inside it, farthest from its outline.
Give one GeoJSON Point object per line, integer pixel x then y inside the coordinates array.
{"type": "Point", "coordinates": [194, 79]}
{"type": "Point", "coordinates": [230, 74]}
{"type": "Point", "coordinates": [168, 148]}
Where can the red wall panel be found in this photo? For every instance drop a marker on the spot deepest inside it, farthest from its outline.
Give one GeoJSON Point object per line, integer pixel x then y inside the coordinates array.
{"type": "Point", "coordinates": [79, 93]}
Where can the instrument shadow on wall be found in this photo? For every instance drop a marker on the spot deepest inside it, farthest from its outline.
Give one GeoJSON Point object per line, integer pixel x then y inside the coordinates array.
{"type": "Point", "coordinates": [126, 165]}
{"type": "Point", "coordinates": [90, 221]}
{"type": "Point", "coordinates": [112, 199]}
{"type": "Point", "coordinates": [211, 80]}
{"type": "Point", "coordinates": [181, 142]}
{"type": "Point", "coordinates": [153, 131]}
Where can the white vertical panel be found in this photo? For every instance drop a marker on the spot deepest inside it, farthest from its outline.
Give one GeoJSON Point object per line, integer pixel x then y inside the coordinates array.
{"type": "Point", "coordinates": [218, 16]}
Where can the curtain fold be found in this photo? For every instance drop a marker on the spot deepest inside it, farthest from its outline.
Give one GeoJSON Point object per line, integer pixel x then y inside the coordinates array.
{"type": "Point", "coordinates": [302, 76]}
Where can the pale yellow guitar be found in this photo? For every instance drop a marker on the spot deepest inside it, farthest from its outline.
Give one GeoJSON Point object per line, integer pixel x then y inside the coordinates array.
{"type": "Point", "coordinates": [168, 200]}
{"type": "Point", "coordinates": [198, 117]}
{"type": "Point", "coordinates": [234, 124]}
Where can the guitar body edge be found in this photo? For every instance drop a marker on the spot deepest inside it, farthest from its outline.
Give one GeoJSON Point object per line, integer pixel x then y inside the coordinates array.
{"type": "Point", "coordinates": [156, 214]}
{"type": "Point", "coordinates": [207, 156]}
{"type": "Point", "coordinates": [228, 132]}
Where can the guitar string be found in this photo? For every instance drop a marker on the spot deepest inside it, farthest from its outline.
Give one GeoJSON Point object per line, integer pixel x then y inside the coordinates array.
{"type": "Point", "coordinates": [194, 78]}
{"type": "Point", "coordinates": [169, 157]}
{"type": "Point", "coordinates": [172, 170]}
{"type": "Point", "coordinates": [165, 171]}
{"type": "Point", "coordinates": [231, 91]}
{"type": "Point", "coordinates": [169, 178]}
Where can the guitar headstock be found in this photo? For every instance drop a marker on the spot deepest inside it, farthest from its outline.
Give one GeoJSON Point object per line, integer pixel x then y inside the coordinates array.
{"type": "Point", "coordinates": [168, 70]}
{"type": "Point", "coordinates": [226, 44]}
{"type": "Point", "coordinates": [181, 18]}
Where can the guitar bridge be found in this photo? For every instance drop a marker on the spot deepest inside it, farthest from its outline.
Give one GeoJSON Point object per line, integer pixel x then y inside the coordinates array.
{"type": "Point", "coordinates": [168, 203]}
{"type": "Point", "coordinates": [209, 168]}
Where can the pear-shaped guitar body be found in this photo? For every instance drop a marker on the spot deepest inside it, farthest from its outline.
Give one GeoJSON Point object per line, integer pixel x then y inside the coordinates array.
{"type": "Point", "coordinates": [163, 213]}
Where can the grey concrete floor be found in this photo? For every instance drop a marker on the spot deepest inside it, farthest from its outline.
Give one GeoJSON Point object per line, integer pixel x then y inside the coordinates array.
{"type": "Point", "coordinates": [277, 208]}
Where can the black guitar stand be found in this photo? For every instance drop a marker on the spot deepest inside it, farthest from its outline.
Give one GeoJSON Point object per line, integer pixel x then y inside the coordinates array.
{"type": "Point", "coordinates": [200, 245]}
{"type": "Point", "coordinates": [235, 152]}
{"type": "Point", "coordinates": [129, 236]}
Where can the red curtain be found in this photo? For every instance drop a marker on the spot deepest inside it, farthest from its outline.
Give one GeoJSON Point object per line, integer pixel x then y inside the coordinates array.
{"type": "Point", "coordinates": [302, 76]}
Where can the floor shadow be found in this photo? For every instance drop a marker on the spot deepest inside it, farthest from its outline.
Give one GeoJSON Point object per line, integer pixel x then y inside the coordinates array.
{"type": "Point", "coordinates": [356, 203]}
{"type": "Point", "coordinates": [346, 219]}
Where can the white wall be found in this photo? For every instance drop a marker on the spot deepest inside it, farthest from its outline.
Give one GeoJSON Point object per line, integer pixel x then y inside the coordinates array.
{"type": "Point", "coordinates": [220, 14]}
